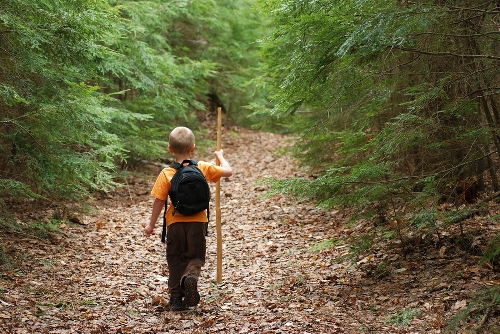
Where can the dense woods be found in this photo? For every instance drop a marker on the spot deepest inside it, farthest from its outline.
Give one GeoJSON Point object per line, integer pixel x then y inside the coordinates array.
{"type": "Point", "coordinates": [88, 86]}
{"type": "Point", "coordinates": [394, 105]}
{"type": "Point", "coordinates": [403, 97]}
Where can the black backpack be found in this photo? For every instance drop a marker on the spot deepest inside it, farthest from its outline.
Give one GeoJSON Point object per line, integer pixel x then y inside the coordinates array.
{"type": "Point", "coordinates": [189, 192]}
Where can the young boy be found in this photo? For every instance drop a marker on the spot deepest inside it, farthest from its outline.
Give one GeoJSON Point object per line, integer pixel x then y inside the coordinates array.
{"type": "Point", "coordinates": [186, 244]}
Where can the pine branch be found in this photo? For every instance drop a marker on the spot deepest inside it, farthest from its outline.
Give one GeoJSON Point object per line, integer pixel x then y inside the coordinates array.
{"type": "Point", "coordinates": [19, 117]}
{"type": "Point", "coordinates": [27, 131]}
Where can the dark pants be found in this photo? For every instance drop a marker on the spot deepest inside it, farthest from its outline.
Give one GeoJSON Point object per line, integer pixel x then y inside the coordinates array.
{"type": "Point", "coordinates": [186, 249]}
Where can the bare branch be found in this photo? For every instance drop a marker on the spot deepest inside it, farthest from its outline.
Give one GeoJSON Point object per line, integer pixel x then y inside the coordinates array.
{"type": "Point", "coordinates": [446, 54]}
{"type": "Point", "coordinates": [488, 33]}
{"type": "Point", "coordinates": [22, 116]}
{"type": "Point", "coordinates": [494, 10]}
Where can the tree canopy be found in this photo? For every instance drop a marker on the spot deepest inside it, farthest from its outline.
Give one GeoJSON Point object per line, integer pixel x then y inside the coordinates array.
{"type": "Point", "coordinates": [395, 102]}
{"type": "Point", "coordinates": [86, 86]}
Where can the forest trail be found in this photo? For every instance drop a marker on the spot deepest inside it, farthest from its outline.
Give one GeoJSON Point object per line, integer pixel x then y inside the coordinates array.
{"type": "Point", "coordinates": [105, 276]}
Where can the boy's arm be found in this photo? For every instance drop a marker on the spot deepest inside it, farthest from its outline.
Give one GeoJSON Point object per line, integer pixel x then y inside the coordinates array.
{"type": "Point", "coordinates": [158, 205]}
{"type": "Point", "coordinates": [227, 170]}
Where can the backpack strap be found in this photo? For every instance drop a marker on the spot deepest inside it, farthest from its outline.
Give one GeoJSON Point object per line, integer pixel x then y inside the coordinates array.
{"type": "Point", "coordinates": [177, 165]}
{"type": "Point", "coordinates": [164, 229]}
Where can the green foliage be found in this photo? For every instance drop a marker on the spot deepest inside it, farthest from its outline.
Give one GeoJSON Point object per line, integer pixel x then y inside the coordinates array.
{"type": "Point", "coordinates": [90, 303]}
{"type": "Point", "coordinates": [482, 303]}
{"type": "Point", "coordinates": [425, 219]}
{"type": "Point", "coordinates": [54, 135]}
{"type": "Point", "coordinates": [492, 251]}
{"type": "Point", "coordinates": [360, 245]}
{"type": "Point", "coordinates": [403, 317]}
{"type": "Point", "coordinates": [223, 33]}
{"type": "Point", "coordinates": [16, 189]}
{"type": "Point", "coordinates": [88, 86]}
{"type": "Point", "coordinates": [453, 217]}
{"type": "Point", "coordinates": [324, 245]}
{"type": "Point", "coordinates": [395, 104]}
{"type": "Point", "coordinates": [42, 229]}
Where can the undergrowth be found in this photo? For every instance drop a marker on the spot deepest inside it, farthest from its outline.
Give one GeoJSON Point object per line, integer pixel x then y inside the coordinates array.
{"type": "Point", "coordinates": [403, 317]}
{"type": "Point", "coordinates": [483, 305]}
{"type": "Point", "coordinates": [492, 253]}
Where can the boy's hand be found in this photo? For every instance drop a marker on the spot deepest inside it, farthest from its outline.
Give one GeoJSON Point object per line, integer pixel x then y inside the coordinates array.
{"type": "Point", "coordinates": [219, 154]}
{"type": "Point", "coordinates": [148, 230]}
{"type": "Point", "coordinates": [224, 164]}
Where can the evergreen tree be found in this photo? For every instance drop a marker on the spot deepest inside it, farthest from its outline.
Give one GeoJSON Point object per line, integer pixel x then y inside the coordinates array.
{"type": "Point", "coordinates": [87, 86]}
{"type": "Point", "coordinates": [54, 137]}
{"type": "Point", "coordinates": [396, 105]}
{"type": "Point", "coordinates": [394, 101]}
{"type": "Point", "coordinates": [223, 33]}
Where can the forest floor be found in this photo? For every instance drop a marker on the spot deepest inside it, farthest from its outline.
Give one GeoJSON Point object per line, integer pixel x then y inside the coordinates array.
{"type": "Point", "coordinates": [288, 267]}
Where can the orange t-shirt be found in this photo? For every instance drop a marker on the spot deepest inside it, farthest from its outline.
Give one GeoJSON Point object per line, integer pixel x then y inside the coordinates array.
{"type": "Point", "coordinates": [162, 187]}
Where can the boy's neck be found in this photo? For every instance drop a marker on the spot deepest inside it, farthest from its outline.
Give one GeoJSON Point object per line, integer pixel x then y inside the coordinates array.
{"type": "Point", "coordinates": [181, 158]}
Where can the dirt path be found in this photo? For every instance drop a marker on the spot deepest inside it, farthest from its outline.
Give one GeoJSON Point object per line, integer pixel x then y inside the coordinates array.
{"type": "Point", "coordinates": [106, 277]}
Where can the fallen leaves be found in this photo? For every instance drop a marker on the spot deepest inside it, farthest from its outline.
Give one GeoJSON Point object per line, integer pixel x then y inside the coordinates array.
{"type": "Point", "coordinates": [286, 267]}
{"type": "Point", "coordinates": [159, 301]}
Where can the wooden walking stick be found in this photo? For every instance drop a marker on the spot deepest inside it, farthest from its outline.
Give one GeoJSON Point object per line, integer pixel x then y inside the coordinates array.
{"type": "Point", "coordinates": [218, 220]}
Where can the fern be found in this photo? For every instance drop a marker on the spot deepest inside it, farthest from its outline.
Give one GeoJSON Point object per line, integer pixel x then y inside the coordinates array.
{"type": "Point", "coordinates": [492, 252]}
{"type": "Point", "coordinates": [425, 219]}
{"type": "Point", "coordinates": [482, 303]}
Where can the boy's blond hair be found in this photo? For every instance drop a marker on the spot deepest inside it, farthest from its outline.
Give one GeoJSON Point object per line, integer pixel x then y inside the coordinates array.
{"type": "Point", "coordinates": [181, 140]}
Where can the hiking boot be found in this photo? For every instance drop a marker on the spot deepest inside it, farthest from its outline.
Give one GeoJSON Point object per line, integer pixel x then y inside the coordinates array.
{"type": "Point", "coordinates": [176, 303]}
{"type": "Point", "coordinates": [190, 286]}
